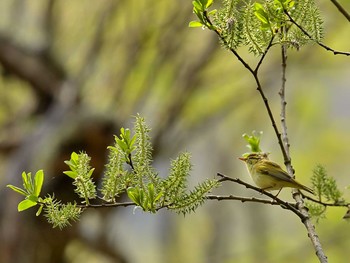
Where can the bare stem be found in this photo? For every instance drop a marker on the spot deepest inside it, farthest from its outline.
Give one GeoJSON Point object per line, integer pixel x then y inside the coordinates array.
{"type": "Point", "coordinates": [282, 94]}
{"type": "Point", "coordinates": [270, 114]}
{"type": "Point", "coordinates": [336, 204]}
{"type": "Point", "coordinates": [104, 205]}
{"type": "Point", "coordinates": [244, 199]}
{"type": "Point", "coordinates": [296, 194]}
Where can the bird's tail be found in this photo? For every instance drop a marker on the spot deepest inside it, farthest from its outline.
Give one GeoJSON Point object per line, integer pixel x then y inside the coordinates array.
{"type": "Point", "coordinates": [305, 188]}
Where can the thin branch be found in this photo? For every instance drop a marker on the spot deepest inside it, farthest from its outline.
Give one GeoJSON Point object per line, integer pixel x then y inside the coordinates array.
{"type": "Point", "coordinates": [284, 104]}
{"type": "Point", "coordinates": [104, 205]}
{"type": "Point", "coordinates": [296, 194]}
{"type": "Point", "coordinates": [335, 52]}
{"type": "Point", "coordinates": [264, 55]}
{"type": "Point", "coordinates": [280, 202]}
{"type": "Point", "coordinates": [272, 119]}
{"type": "Point", "coordinates": [341, 9]}
{"type": "Point", "coordinates": [107, 205]}
{"type": "Point", "coordinates": [245, 64]}
{"type": "Point", "coordinates": [255, 75]}
{"type": "Point", "coordinates": [340, 204]}
{"type": "Point", "coordinates": [244, 199]}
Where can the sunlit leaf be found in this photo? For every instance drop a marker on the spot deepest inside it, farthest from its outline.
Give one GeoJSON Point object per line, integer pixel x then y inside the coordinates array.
{"type": "Point", "coordinates": [209, 3]}
{"type": "Point", "coordinates": [26, 184]}
{"type": "Point", "coordinates": [71, 174]}
{"type": "Point", "coordinates": [33, 198]}
{"type": "Point", "coordinates": [195, 24]}
{"type": "Point", "coordinates": [25, 204]}
{"type": "Point", "coordinates": [38, 180]}
{"type": "Point", "coordinates": [74, 157]}
{"type": "Point", "coordinates": [133, 194]}
{"type": "Point", "coordinates": [17, 189]}
{"type": "Point", "coordinates": [260, 13]}
{"type": "Point", "coordinates": [39, 210]}
{"type": "Point", "coordinates": [90, 172]}
{"type": "Point", "coordinates": [197, 6]}
{"type": "Point", "coordinates": [212, 12]}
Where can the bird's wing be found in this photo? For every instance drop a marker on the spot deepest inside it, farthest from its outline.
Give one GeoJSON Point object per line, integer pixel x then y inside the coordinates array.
{"type": "Point", "coordinates": [274, 170]}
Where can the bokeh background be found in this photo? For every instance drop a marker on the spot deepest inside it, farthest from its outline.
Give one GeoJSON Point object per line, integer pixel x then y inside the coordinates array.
{"type": "Point", "coordinates": [74, 72]}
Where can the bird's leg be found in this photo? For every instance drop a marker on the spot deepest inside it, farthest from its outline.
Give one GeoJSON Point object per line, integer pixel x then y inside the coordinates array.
{"type": "Point", "coordinates": [278, 192]}
{"type": "Point", "coordinates": [267, 189]}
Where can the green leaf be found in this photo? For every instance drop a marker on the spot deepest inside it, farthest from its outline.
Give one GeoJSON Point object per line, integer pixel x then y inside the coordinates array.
{"type": "Point", "coordinates": [112, 148]}
{"type": "Point", "coordinates": [90, 172]}
{"type": "Point", "coordinates": [125, 142]}
{"type": "Point", "coordinates": [74, 157]}
{"type": "Point", "coordinates": [123, 146]}
{"type": "Point", "coordinates": [39, 210]}
{"type": "Point", "coordinates": [158, 196]}
{"type": "Point", "coordinates": [209, 3]}
{"type": "Point", "coordinates": [71, 174]}
{"type": "Point", "coordinates": [290, 3]}
{"type": "Point", "coordinates": [151, 191]}
{"type": "Point", "coordinates": [25, 204]}
{"type": "Point", "coordinates": [33, 198]}
{"type": "Point", "coordinates": [195, 24]}
{"type": "Point", "coordinates": [212, 12]}
{"type": "Point", "coordinates": [17, 189]}
{"type": "Point", "coordinates": [24, 178]}
{"type": "Point", "coordinates": [253, 141]}
{"type": "Point", "coordinates": [134, 195]}
{"type": "Point", "coordinates": [125, 134]}
{"type": "Point", "coordinates": [260, 13]}
{"type": "Point", "coordinates": [141, 198]}
{"type": "Point", "coordinates": [70, 164]}
{"type": "Point", "coordinates": [200, 16]}
{"type": "Point", "coordinates": [197, 5]}
{"type": "Point", "coordinates": [38, 180]}
{"type": "Point", "coordinates": [258, 6]}
{"type": "Point", "coordinates": [132, 141]}
{"type": "Point", "coordinates": [26, 181]}
{"type": "Point", "coordinates": [203, 2]}
{"type": "Point", "coordinates": [278, 5]}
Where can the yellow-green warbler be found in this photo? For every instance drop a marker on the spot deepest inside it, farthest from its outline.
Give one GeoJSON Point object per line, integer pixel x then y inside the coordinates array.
{"type": "Point", "coordinates": [269, 175]}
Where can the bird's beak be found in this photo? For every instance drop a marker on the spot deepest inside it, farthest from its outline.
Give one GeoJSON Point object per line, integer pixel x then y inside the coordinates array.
{"type": "Point", "coordinates": [242, 159]}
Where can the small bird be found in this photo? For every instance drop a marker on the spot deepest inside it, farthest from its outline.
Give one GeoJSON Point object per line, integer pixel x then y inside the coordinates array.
{"type": "Point", "coordinates": [269, 175]}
